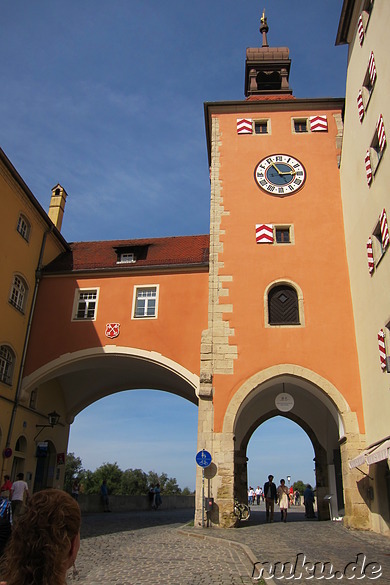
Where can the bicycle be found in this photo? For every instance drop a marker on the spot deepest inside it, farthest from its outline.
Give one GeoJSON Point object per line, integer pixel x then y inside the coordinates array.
{"type": "Point", "coordinates": [242, 511]}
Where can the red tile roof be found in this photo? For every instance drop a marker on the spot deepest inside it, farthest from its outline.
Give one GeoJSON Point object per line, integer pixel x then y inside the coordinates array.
{"type": "Point", "coordinates": [161, 252]}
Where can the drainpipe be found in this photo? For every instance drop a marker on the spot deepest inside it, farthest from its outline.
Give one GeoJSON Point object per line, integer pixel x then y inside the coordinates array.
{"type": "Point", "coordinates": [38, 274]}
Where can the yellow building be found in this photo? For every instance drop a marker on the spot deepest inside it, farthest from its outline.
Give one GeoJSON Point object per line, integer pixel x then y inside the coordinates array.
{"type": "Point", "coordinates": [365, 175]}
{"type": "Point", "coordinates": [29, 240]}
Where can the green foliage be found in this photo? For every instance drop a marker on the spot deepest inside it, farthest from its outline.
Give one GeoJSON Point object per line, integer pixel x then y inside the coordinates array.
{"type": "Point", "coordinates": [300, 486]}
{"type": "Point", "coordinates": [132, 482]}
{"type": "Point", "coordinates": [187, 492]}
{"type": "Point", "coordinates": [73, 469]}
{"type": "Point", "coordinates": [112, 474]}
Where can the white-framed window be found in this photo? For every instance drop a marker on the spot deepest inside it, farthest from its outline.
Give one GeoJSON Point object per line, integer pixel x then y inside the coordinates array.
{"type": "Point", "coordinates": [145, 302]}
{"type": "Point", "coordinates": [23, 227]}
{"type": "Point", "coordinates": [7, 363]}
{"type": "Point", "coordinates": [85, 304]}
{"type": "Point", "coordinates": [18, 293]}
{"type": "Point", "coordinates": [126, 258]}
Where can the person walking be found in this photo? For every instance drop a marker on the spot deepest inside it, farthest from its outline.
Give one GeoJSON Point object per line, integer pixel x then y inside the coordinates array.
{"type": "Point", "coordinates": [308, 500]}
{"type": "Point", "coordinates": [19, 495]}
{"type": "Point", "coordinates": [258, 492]}
{"type": "Point", "coordinates": [283, 498]}
{"type": "Point", "coordinates": [270, 498]}
{"type": "Point", "coordinates": [5, 489]}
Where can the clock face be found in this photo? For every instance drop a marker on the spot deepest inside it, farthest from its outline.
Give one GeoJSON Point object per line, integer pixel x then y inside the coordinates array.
{"type": "Point", "coordinates": [280, 175]}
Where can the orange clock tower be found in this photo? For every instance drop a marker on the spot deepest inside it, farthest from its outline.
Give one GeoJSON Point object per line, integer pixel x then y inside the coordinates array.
{"type": "Point", "coordinates": [280, 337]}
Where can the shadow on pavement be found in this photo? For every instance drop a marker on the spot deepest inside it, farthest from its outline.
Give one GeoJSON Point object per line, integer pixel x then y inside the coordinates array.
{"type": "Point", "coordinates": [114, 522]}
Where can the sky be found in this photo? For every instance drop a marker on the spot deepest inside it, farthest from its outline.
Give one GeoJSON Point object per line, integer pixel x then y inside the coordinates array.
{"type": "Point", "coordinates": [106, 98]}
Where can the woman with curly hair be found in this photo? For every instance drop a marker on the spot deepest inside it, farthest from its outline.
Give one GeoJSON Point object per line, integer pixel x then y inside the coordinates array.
{"type": "Point", "coordinates": [45, 541]}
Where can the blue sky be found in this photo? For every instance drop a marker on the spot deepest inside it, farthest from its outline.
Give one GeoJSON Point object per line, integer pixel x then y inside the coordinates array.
{"type": "Point", "coordinates": [106, 98]}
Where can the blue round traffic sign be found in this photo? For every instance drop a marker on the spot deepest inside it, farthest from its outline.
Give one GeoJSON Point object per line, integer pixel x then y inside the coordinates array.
{"type": "Point", "coordinates": [203, 458]}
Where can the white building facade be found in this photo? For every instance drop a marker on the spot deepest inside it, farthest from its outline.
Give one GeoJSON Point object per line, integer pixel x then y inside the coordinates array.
{"type": "Point", "coordinates": [365, 180]}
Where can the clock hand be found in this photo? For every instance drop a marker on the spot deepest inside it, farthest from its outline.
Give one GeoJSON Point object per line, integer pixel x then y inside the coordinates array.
{"type": "Point", "coordinates": [275, 167]}
{"type": "Point", "coordinates": [288, 172]}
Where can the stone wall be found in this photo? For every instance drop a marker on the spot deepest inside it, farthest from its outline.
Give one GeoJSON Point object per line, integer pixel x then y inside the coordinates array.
{"type": "Point", "coordinates": [93, 503]}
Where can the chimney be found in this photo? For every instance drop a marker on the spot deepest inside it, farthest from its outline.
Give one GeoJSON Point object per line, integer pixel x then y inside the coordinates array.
{"type": "Point", "coordinates": [57, 205]}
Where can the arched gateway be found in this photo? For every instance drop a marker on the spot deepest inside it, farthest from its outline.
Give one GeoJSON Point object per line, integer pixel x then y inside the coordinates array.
{"type": "Point", "coordinates": [264, 302]}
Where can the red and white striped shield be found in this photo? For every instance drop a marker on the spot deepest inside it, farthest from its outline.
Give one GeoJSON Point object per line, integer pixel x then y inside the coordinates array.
{"type": "Point", "coordinates": [384, 229]}
{"type": "Point", "coordinates": [244, 126]}
{"type": "Point", "coordinates": [367, 162]}
{"type": "Point", "coordinates": [112, 330]}
{"type": "Point", "coordinates": [360, 30]}
{"type": "Point", "coordinates": [372, 68]}
{"type": "Point", "coordinates": [360, 105]}
{"type": "Point", "coordinates": [380, 128]}
{"type": "Point", "coordinates": [382, 348]}
{"type": "Point", "coordinates": [370, 256]}
{"type": "Point", "coordinates": [318, 123]}
{"type": "Point", "coordinates": [264, 233]}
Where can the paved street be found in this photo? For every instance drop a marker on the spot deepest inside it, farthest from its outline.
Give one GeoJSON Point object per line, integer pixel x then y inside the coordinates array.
{"type": "Point", "coordinates": [156, 548]}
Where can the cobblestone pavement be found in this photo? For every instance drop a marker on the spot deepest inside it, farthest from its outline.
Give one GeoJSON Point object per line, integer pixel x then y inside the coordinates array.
{"type": "Point", "coordinates": [140, 548]}
{"type": "Point", "coordinates": [319, 541]}
{"type": "Point", "coordinates": [156, 548]}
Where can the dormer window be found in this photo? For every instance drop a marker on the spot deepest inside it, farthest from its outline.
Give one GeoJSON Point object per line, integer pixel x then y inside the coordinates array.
{"type": "Point", "coordinates": [130, 254]}
{"type": "Point", "coordinates": [126, 258]}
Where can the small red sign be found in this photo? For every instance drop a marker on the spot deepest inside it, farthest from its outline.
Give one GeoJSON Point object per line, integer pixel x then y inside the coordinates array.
{"type": "Point", "coordinates": [60, 458]}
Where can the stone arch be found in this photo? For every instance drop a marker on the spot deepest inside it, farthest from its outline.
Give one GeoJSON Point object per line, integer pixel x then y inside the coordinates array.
{"type": "Point", "coordinates": [327, 392]}
{"type": "Point", "coordinates": [332, 418]}
{"type": "Point", "coordinates": [107, 370]}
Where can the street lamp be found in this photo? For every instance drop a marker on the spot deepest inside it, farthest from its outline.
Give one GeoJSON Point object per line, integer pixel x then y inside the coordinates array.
{"type": "Point", "coordinates": [53, 418]}
{"type": "Point", "coordinates": [289, 479]}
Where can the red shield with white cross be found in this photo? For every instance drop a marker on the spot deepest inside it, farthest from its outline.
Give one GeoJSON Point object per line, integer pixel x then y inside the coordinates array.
{"type": "Point", "coordinates": [112, 330]}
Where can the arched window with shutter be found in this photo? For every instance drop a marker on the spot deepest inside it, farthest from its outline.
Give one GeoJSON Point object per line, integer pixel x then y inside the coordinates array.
{"type": "Point", "coordinates": [283, 305]}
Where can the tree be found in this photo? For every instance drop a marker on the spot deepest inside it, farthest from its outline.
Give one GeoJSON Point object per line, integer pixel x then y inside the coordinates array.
{"type": "Point", "coordinates": [110, 472]}
{"type": "Point", "coordinates": [186, 492]}
{"type": "Point", "coordinates": [300, 486]}
{"type": "Point", "coordinates": [134, 482]}
{"type": "Point", "coordinates": [171, 488]}
{"type": "Point", "coordinates": [73, 469]}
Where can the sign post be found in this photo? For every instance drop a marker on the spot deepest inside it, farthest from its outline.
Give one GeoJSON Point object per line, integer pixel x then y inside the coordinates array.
{"type": "Point", "coordinates": [203, 459]}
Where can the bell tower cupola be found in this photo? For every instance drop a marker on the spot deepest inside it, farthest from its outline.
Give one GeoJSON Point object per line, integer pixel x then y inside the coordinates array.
{"type": "Point", "coordinates": [267, 69]}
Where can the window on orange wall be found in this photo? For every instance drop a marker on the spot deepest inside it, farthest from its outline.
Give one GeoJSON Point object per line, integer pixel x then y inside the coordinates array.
{"type": "Point", "coordinates": [261, 126]}
{"type": "Point", "coordinates": [145, 302]}
{"type": "Point", "coordinates": [282, 235]}
{"type": "Point", "coordinates": [300, 125]}
{"type": "Point", "coordinates": [283, 308]}
{"type": "Point", "coordinates": [85, 305]}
